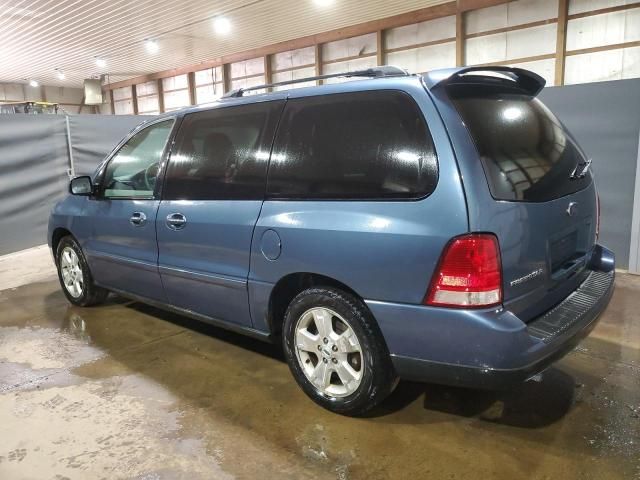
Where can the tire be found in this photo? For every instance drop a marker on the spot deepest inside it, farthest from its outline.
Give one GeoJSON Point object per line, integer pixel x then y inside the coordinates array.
{"type": "Point", "coordinates": [352, 370]}
{"type": "Point", "coordinates": [72, 265]}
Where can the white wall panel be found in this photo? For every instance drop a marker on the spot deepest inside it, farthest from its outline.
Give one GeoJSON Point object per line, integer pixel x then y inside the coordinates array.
{"type": "Point", "coordinates": [248, 82]}
{"type": "Point", "coordinates": [422, 32]}
{"type": "Point", "coordinates": [544, 68]}
{"type": "Point", "coordinates": [531, 41]}
{"type": "Point", "coordinates": [510, 14]}
{"type": "Point", "coordinates": [511, 45]}
{"type": "Point", "coordinates": [176, 99]}
{"type": "Point", "coordinates": [208, 93]}
{"type": "Point", "coordinates": [348, 66]}
{"type": "Point", "coordinates": [421, 60]}
{"type": "Point", "coordinates": [581, 6]}
{"type": "Point", "coordinates": [294, 75]}
{"type": "Point", "coordinates": [122, 93]}
{"type": "Point", "coordinates": [527, 11]}
{"type": "Point", "coordinates": [601, 66]}
{"type": "Point", "coordinates": [32, 94]}
{"type": "Point", "coordinates": [255, 66]}
{"type": "Point", "coordinates": [486, 19]}
{"type": "Point", "coordinates": [208, 76]}
{"type": "Point", "coordinates": [148, 105]}
{"type": "Point", "coordinates": [124, 107]}
{"type": "Point", "coordinates": [606, 29]}
{"type": "Point", "coordinates": [63, 94]}
{"type": "Point", "coordinates": [148, 88]}
{"type": "Point", "coordinates": [631, 62]}
{"type": "Point", "coordinates": [175, 83]}
{"type": "Point", "coordinates": [13, 92]}
{"type": "Point", "coordinates": [486, 49]}
{"type": "Point", "coordinates": [349, 47]}
{"type": "Point", "coordinates": [293, 58]}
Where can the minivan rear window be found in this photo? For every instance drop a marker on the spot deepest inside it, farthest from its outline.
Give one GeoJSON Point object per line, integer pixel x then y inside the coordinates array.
{"type": "Point", "coordinates": [526, 153]}
{"type": "Point", "coordinates": [360, 145]}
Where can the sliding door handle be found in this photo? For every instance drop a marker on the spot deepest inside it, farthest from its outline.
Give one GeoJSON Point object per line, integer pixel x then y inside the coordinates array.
{"type": "Point", "coordinates": [176, 221]}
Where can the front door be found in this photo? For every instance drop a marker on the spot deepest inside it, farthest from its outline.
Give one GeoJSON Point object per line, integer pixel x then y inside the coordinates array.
{"type": "Point", "coordinates": [212, 196]}
{"type": "Point", "coordinates": [121, 248]}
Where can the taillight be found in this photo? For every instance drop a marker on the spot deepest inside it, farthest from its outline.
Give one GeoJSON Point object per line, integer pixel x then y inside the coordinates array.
{"type": "Point", "coordinates": [597, 216]}
{"type": "Point", "coordinates": [469, 274]}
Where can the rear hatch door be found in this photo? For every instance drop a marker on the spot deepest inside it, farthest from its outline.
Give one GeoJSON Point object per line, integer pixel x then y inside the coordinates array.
{"type": "Point", "coordinates": [526, 180]}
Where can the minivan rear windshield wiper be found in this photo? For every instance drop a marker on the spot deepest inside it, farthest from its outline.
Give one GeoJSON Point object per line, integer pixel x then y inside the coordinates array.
{"type": "Point", "coordinates": [581, 169]}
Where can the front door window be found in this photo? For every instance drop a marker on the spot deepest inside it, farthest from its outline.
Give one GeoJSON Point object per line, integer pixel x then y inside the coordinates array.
{"type": "Point", "coordinates": [132, 172]}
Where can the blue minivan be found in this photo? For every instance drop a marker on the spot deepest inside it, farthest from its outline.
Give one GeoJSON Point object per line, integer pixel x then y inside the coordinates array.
{"type": "Point", "coordinates": [439, 227]}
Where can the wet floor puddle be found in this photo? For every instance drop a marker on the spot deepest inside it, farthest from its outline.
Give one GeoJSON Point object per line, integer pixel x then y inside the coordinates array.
{"type": "Point", "coordinates": [122, 391]}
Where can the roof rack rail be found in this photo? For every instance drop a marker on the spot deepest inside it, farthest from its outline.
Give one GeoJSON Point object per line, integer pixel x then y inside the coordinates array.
{"type": "Point", "coordinates": [373, 72]}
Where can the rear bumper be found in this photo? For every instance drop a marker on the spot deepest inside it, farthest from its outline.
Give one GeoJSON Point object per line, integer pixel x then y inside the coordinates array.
{"type": "Point", "coordinates": [489, 349]}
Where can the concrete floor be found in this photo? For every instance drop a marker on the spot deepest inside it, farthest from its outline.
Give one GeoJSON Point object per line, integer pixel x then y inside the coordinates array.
{"type": "Point", "coordinates": [128, 391]}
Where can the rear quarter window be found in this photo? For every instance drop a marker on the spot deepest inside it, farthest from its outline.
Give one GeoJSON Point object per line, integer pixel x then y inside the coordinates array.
{"type": "Point", "coordinates": [526, 153]}
{"type": "Point", "coordinates": [363, 145]}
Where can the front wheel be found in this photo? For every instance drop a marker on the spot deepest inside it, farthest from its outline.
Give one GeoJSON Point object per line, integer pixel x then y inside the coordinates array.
{"type": "Point", "coordinates": [336, 352]}
{"type": "Point", "coordinates": [75, 276]}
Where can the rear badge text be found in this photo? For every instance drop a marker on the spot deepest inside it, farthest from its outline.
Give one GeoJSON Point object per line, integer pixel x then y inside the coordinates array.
{"type": "Point", "coordinates": [527, 277]}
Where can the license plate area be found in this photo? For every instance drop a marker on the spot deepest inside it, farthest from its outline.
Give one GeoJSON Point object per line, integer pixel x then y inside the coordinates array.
{"type": "Point", "coordinates": [563, 251]}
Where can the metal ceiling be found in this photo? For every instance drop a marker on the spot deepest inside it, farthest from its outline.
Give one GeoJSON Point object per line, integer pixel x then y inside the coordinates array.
{"type": "Point", "coordinates": [39, 36]}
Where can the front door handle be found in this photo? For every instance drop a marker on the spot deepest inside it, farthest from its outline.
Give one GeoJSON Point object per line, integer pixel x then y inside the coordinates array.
{"type": "Point", "coordinates": [138, 219]}
{"type": "Point", "coordinates": [176, 221]}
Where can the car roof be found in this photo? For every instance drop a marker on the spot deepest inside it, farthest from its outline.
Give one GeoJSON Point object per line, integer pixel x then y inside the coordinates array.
{"type": "Point", "coordinates": [395, 82]}
{"type": "Point", "coordinates": [528, 81]}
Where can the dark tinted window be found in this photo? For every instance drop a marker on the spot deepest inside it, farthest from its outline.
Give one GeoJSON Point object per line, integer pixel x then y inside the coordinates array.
{"type": "Point", "coordinates": [353, 145]}
{"type": "Point", "coordinates": [526, 153]}
{"type": "Point", "coordinates": [222, 153]}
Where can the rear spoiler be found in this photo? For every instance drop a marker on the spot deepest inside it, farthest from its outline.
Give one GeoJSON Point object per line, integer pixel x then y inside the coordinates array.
{"type": "Point", "coordinates": [518, 78]}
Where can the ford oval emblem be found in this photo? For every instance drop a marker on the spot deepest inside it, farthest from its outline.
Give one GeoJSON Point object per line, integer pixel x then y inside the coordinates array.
{"type": "Point", "coordinates": [572, 209]}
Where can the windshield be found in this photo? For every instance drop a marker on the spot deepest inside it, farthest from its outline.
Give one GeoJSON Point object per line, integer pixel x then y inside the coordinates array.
{"type": "Point", "coordinates": [526, 153]}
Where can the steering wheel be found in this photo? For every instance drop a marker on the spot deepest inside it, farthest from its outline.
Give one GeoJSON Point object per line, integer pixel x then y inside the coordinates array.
{"type": "Point", "coordinates": [150, 176]}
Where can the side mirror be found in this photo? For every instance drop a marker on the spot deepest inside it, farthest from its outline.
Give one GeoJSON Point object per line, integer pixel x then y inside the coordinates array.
{"type": "Point", "coordinates": [81, 186]}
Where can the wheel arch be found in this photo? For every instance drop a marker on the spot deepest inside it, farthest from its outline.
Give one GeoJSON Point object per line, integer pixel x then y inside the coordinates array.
{"type": "Point", "coordinates": [285, 290]}
{"type": "Point", "coordinates": [58, 234]}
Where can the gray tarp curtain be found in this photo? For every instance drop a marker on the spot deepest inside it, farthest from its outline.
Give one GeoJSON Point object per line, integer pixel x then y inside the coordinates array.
{"type": "Point", "coordinates": [604, 117]}
{"type": "Point", "coordinates": [94, 136]}
{"type": "Point", "coordinates": [34, 160]}
{"type": "Point", "coordinates": [33, 166]}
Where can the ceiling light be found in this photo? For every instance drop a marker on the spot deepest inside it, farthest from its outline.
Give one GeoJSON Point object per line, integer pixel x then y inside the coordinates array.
{"type": "Point", "coordinates": [151, 46]}
{"type": "Point", "coordinates": [222, 25]}
{"type": "Point", "coordinates": [323, 3]}
{"type": "Point", "coordinates": [33, 83]}
{"type": "Point", "coordinates": [101, 62]}
{"type": "Point", "coordinates": [60, 74]}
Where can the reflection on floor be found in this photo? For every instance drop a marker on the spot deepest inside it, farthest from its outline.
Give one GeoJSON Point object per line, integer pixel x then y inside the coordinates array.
{"type": "Point", "coordinates": [128, 391]}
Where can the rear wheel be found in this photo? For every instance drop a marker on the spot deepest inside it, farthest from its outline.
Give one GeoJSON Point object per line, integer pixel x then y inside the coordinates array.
{"type": "Point", "coordinates": [75, 276]}
{"type": "Point", "coordinates": [336, 352]}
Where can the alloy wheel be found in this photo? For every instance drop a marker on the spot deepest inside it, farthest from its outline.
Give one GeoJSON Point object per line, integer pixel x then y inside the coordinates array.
{"type": "Point", "coordinates": [329, 352]}
{"type": "Point", "coordinates": [71, 272]}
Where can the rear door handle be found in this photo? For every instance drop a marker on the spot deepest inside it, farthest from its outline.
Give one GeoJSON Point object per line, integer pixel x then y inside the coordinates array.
{"type": "Point", "coordinates": [176, 221]}
{"type": "Point", "coordinates": [138, 219]}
